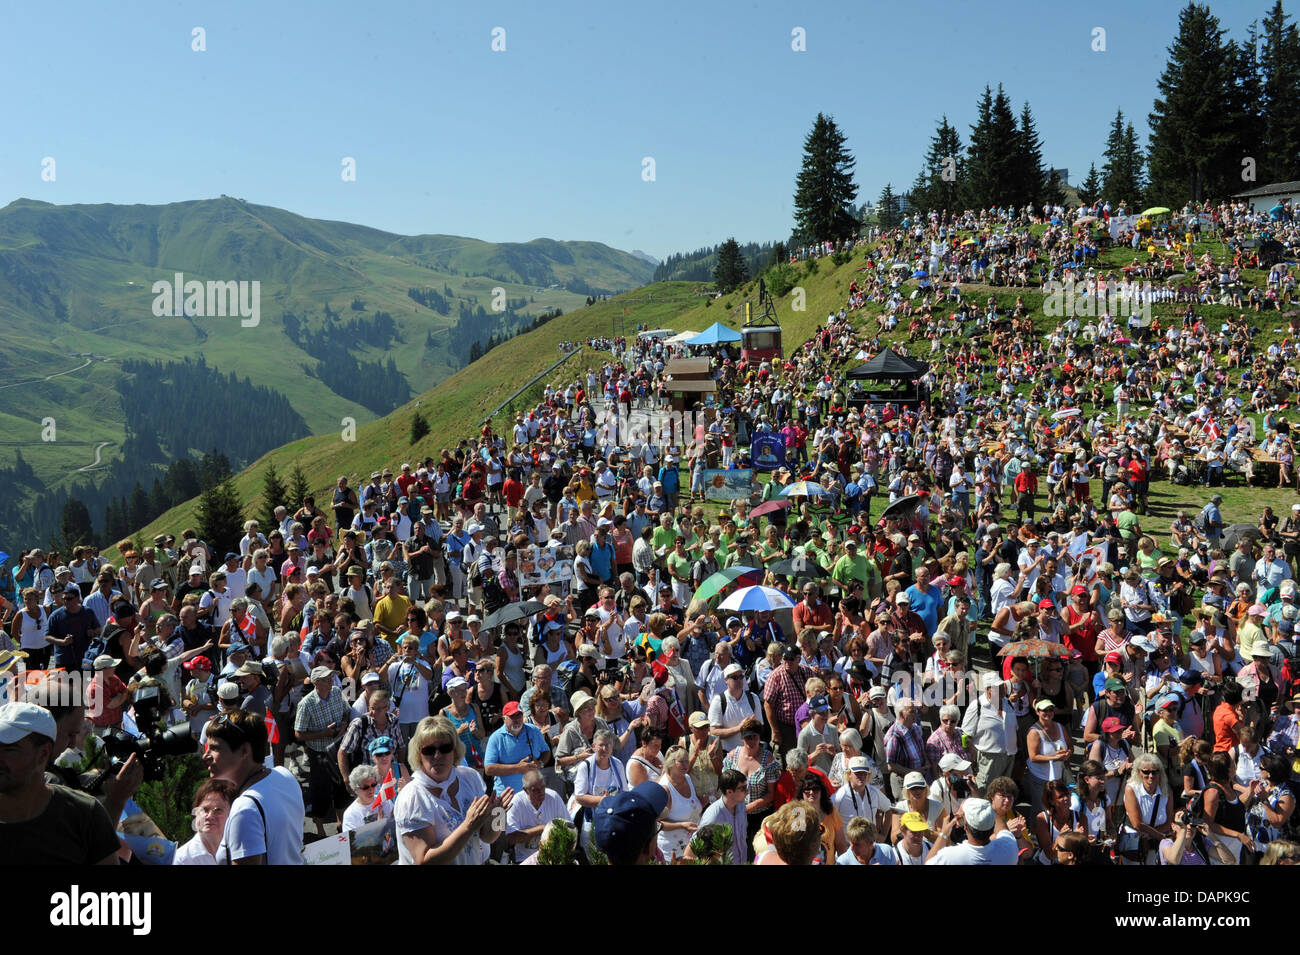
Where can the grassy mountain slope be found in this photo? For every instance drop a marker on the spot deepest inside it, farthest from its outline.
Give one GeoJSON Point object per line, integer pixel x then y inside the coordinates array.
{"type": "Point", "coordinates": [77, 280]}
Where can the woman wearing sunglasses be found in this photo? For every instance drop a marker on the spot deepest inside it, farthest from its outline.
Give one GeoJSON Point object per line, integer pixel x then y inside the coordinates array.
{"type": "Point", "coordinates": [445, 816]}
{"type": "Point", "coordinates": [1148, 811]}
{"type": "Point", "coordinates": [365, 782]}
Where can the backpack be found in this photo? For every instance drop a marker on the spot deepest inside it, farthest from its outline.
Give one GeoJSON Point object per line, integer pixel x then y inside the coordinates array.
{"type": "Point", "coordinates": [1202, 522]}
{"type": "Point", "coordinates": [97, 647]}
{"type": "Point", "coordinates": [567, 672]}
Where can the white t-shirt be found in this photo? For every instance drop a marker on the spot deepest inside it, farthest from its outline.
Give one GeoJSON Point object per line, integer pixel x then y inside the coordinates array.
{"type": "Point", "coordinates": [725, 712]}
{"type": "Point", "coordinates": [356, 816]}
{"type": "Point", "coordinates": [263, 578]}
{"type": "Point", "coordinates": [410, 691]}
{"type": "Point", "coordinates": [280, 797]}
{"type": "Point", "coordinates": [524, 815]}
{"type": "Point", "coordinates": [1001, 850]}
{"type": "Point", "coordinates": [194, 852]}
{"type": "Point", "coordinates": [849, 804]}
{"type": "Point", "coordinates": [236, 582]}
{"type": "Point", "coordinates": [223, 602]}
{"type": "Point", "coordinates": [417, 807]}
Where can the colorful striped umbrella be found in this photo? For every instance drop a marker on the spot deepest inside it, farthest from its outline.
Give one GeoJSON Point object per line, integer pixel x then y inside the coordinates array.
{"type": "Point", "coordinates": [805, 489]}
{"type": "Point", "coordinates": [714, 584]}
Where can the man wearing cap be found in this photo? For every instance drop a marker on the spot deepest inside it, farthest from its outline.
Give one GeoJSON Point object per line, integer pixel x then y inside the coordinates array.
{"type": "Point", "coordinates": [783, 694]}
{"type": "Point", "coordinates": [625, 824]}
{"type": "Point", "coordinates": [990, 723]}
{"type": "Point", "coordinates": [106, 695]}
{"type": "Point", "coordinates": [980, 847]}
{"type": "Point", "coordinates": [818, 738]}
{"type": "Point", "coordinates": [858, 798]}
{"type": "Point", "coordinates": [514, 749]}
{"type": "Point", "coordinates": [319, 723]}
{"type": "Point", "coordinates": [69, 631]}
{"type": "Point", "coordinates": [43, 823]}
{"type": "Point", "coordinates": [729, 709]}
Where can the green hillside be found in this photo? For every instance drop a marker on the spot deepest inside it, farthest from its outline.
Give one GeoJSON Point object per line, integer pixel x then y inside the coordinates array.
{"type": "Point", "coordinates": [77, 300]}
{"type": "Point", "coordinates": [457, 406]}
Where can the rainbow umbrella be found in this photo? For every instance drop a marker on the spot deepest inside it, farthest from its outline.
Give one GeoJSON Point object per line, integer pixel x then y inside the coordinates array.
{"type": "Point", "coordinates": [714, 584]}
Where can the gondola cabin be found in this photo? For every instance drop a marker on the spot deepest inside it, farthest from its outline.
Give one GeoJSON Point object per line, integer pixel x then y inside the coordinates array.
{"type": "Point", "coordinates": [761, 343]}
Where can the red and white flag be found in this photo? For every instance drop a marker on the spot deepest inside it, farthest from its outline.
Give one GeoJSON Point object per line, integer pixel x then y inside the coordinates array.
{"type": "Point", "coordinates": [1211, 429]}
{"type": "Point", "coordinates": [272, 730]}
{"type": "Point", "coordinates": [387, 790]}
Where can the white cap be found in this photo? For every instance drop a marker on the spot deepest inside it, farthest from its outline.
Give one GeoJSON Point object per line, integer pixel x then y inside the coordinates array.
{"type": "Point", "coordinates": [951, 761]}
{"type": "Point", "coordinates": [22, 719]}
{"type": "Point", "coordinates": [979, 814]}
{"type": "Point", "coordinates": [105, 662]}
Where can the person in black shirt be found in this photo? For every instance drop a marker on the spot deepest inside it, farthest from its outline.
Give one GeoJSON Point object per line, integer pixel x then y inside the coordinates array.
{"type": "Point", "coordinates": [192, 632]}
{"type": "Point", "coordinates": [71, 628]}
{"type": "Point", "coordinates": [345, 504]}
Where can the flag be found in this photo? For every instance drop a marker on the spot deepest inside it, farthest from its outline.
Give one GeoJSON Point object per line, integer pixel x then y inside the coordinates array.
{"type": "Point", "coordinates": [387, 790]}
{"type": "Point", "coordinates": [1211, 429]}
{"type": "Point", "coordinates": [272, 730]}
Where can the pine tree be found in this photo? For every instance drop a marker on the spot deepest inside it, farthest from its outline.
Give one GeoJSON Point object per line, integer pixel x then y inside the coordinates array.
{"type": "Point", "coordinates": [994, 153]}
{"type": "Point", "coordinates": [76, 526]}
{"type": "Point", "coordinates": [299, 487]}
{"type": "Point", "coordinates": [220, 517]}
{"type": "Point", "coordinates": [419, 426]}
{"type": "Point", "coordinates": [940, 183]}
{"type": "Point", "coordinates": [274, 494]}
{"type": "Point", "coordinates": [1031, 181]}
{"type": "Point", "coordinates": [1122, 178]}
{"type": "Point", "coordinates": [887, 212]}
{"type": "Point", "coordinates": [730, 271]}
{"type": "Point", "coordinates": [1193, 154]}
{"type": "Point", "coordinates": [139, 507]}
{"type": "Point", "coordinates": [1278, 86]}
{"type": "Point", "coordinates": [824, 189]}
{"type": "Point", "coordinates": [1090, 189]}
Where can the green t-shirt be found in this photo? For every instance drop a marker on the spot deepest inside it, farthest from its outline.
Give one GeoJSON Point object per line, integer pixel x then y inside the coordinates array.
{"type": "Point", "coordinates": [1148, 563]}
{"type": "Point", "coordinates": [679, 566]}
{"type": "Point", "coordinates": [664, 537]}
{"type": "Point", "coordinates": [1126, 521]}
{"type": "Point", "coordinates": [848, 569]}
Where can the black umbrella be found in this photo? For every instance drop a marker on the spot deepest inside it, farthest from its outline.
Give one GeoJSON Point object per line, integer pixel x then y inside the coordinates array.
{"type": "Point", "coordinates": [1235, 532]}
{"type": "Point", "coordinates": [799, 567]}
{"type": "Point", "coordinates": [512, 612]}
{"type": "Point", "coordinates": [903, 505]}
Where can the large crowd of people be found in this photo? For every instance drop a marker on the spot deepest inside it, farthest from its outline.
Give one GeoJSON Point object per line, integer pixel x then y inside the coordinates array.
{"type": "Point", "coordinates": [514, 649]}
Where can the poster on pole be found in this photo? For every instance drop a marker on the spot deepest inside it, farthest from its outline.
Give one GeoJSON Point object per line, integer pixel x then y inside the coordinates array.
{"type": "Point", "coordinates": [731, 485]}
{"type": "Point", "coordinates": [767, 452]}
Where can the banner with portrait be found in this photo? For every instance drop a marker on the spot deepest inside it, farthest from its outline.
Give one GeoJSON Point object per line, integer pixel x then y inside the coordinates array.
{"type": "Point", "coordinates": [767, 452]}
{"type": "Point", "coordinates": [544, 565]}
{"type": "Point", "coordinates": [730, 485]}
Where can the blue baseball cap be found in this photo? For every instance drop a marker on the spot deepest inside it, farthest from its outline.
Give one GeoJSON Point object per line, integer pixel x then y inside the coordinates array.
{"type": "Point", "coordinates": [236, 647]}
{"type": "Point", "coordinates": [625, 821]}
{"type": "Point", "coordinates": [819, 704]}
{"type": "Point", "coordinates": [381, 744]}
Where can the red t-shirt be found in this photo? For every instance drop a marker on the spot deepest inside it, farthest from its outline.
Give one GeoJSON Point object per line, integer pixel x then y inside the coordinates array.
{"type": "Point", "coordinates": [513, 491]}
{"type": "Point", "coordinates": [819, 617]}
{"type": "Point", "coordinates": [1225, 728]}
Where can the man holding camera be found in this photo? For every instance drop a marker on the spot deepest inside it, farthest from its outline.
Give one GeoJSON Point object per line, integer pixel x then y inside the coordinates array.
{"type": "Point", "coordinates": [43, 823]}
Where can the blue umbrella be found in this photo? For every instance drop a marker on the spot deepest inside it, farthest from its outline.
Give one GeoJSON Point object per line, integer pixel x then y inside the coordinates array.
{"type": "Point", "coordinates": [805, 489]}
{"type": "Point", "coordinates": [757, 598]}
{"type": "Point", "coordinates": [920, 274]}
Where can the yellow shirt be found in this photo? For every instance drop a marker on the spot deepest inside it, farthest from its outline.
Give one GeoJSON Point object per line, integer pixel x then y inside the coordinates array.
{"type": "Point", "coordinates": [390, 612]}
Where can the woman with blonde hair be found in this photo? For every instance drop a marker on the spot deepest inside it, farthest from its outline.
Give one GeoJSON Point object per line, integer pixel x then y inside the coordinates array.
{"type": "Point", "coordinates": [447, 818]}
{"type": "Point", "coordinates": [681, 817]}
{"type": "Point", "coordinates": [1148, 811]}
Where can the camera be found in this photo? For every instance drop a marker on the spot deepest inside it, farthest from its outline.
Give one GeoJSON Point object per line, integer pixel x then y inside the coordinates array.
{"type": "Point", "coordinates": [959, 786]}
{"type": "Point", "coordinates": [152, 748]}
{"type": "Point", "coordinates": [1194, 812]}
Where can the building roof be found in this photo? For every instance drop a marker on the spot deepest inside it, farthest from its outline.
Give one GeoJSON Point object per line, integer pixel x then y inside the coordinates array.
{"type": "Point", "coordinates": [1272, 189]}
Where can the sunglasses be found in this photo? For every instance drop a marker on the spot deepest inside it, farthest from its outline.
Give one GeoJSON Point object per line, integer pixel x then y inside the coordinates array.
{"type": "Point", "coordinates": [1149, 772]}
{"type": "Point", "coordinates": [366, 788]}
{"type": "Point", "coordinates": [438, 749]}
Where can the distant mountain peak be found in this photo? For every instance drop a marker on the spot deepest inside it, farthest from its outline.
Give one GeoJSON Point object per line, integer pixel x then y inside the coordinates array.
{"type": "Point", "coordinates": [644, 256]}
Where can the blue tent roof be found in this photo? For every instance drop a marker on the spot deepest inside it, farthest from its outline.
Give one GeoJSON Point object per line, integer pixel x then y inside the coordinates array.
{"type": "Point", "coordinates": [713, 335]}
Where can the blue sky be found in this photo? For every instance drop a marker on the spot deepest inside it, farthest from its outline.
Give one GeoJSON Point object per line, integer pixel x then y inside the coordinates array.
{"type": "Point", "coordinates": [546, 138]}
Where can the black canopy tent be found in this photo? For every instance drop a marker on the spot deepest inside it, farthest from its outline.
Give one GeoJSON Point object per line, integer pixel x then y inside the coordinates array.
{"type": "Point", "coordinates": [902, 375]}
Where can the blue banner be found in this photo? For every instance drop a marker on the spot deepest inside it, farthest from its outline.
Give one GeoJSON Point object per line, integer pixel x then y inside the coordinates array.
{"type": "Point", "coordinates": [767, 452]}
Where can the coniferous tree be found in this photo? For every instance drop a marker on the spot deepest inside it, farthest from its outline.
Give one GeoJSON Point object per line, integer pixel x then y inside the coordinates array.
{"type": "Point", "coordinates": [730, 272]}
{"type": "Point", "coordinates": [274, 494]}
{"type": "Point", "coordinates": [1031, 183]}
{"type": "Point", "coordinates": [1278, 89]}
{"type": "Point", "coordinates": [1122, 177]}
{"type": "Point", "coordinates": [1090, 189]}
{"type": "Point", "coordinates": [419, 426]}
{"type": "Point", "coordinates": [75, 526]}
{"type": "Point", "coordinates": [887, 213]}
{"type": "Point", "coordinates": [824, 189]}
{"type": "Point", "coordinates": [940, 183]}
{"type": "Point", "coordinates": [994, 152]}
{"type": "Point", "coordinates": [220, 517]}
{"type": "Point", "coordinates": [299, 487]}
{"type": "Point", "coordinates": [1193, 153]}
